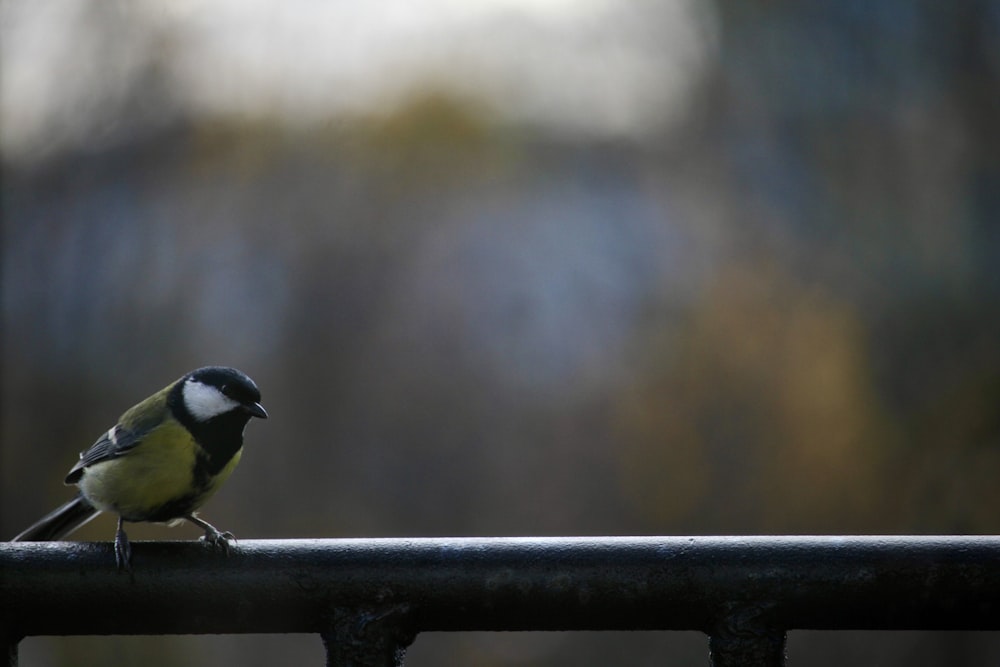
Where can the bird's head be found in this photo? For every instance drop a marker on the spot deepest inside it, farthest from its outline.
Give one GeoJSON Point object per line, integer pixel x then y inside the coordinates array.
{"type": "Point", "coordinates": [213, 391]}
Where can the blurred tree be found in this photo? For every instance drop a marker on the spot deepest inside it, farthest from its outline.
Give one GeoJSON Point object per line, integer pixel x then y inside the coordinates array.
{"type": "Point", "coordinates": [759, 415]}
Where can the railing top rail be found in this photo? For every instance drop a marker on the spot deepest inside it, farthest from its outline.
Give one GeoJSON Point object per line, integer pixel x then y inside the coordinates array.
{"type": "Point", "coordinates": [572, 583]}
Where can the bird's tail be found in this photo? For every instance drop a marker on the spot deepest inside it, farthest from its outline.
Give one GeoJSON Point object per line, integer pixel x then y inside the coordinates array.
{"type": "Point", "coordinates": [60, 521]}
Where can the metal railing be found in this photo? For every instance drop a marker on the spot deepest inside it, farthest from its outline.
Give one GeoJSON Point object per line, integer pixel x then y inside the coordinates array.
{"type": "Point", "coordinates": [368, 598]}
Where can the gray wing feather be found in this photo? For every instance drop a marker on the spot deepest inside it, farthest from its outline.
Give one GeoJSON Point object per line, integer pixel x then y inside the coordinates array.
{"type": "Point", "coordinates": [116, 442]}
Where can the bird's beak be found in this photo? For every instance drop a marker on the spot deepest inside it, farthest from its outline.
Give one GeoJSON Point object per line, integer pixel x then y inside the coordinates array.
{"type": "Point", "coordinates": [256, 410]}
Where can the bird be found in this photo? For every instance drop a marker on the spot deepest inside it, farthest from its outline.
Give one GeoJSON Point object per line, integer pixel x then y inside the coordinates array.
{"type": "Point", "coordinates": [164, 458]}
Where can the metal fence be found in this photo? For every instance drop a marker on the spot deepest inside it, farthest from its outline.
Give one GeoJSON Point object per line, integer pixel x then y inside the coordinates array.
{"type": "Point", "coordinates": [368, 598]}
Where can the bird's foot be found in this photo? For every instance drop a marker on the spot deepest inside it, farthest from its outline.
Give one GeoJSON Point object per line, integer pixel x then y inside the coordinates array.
{"type": "Point", "coordinates": [123, 549]}
{"type": "Point", "coordinates": [215, 538]}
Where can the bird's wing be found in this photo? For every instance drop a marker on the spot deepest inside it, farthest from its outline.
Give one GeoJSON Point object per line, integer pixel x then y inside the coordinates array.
{"type": "Point", "coordinates": [118, 441]}
{"type": "Point", "coordinates": [132, 428]}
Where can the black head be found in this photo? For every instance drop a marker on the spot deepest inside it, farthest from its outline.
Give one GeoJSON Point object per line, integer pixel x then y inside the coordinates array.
{"type": "Point", "coordinates": [210, 392]}
{"type": "Point", "coordinates": [214, 404]}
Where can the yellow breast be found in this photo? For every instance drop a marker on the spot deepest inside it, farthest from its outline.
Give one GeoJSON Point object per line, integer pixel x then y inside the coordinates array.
{"type": "Point", "coordinates": [156, 473]}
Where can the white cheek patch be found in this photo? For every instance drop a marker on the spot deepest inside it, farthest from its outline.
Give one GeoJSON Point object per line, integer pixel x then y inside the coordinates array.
{"type": "Point", "coordinates": [204, 401]}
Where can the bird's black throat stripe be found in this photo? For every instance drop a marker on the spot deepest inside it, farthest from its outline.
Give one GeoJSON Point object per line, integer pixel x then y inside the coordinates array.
{"type": "Point", "coordinates": [220, 437]}
{"type": "Point", "coordinates": [219, 440]}
{"type": "Point", "coordinates": [175, 509]}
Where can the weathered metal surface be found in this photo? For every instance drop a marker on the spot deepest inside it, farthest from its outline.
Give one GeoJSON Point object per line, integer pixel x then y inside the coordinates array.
{"type": "Point", "coordinates": [745, 592]}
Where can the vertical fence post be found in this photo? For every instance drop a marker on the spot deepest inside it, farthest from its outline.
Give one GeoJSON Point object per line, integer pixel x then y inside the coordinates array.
{"type": "Point", "coordinates": [9, 640]}
{"type": "Point", "coordinates": [764, 650]}
{"type": "Point", "coordinates": [368, 638]}
{"type": "Point", "coordinates": [744, 638]}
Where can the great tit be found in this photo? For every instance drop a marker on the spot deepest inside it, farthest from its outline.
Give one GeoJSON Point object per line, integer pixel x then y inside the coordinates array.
{"type": "Point", "coordinates": [163, 459]}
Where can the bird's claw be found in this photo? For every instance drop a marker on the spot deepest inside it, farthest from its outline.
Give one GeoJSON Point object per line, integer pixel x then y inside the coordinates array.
{"type": "Point", "coordinates": [215, 538]}
{"type": "Point", "coordinates": [123, 550]}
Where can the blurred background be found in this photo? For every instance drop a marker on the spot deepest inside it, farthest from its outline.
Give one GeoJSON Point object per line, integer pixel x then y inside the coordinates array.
{"type": "Point", "coordinates": [515, 267]}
